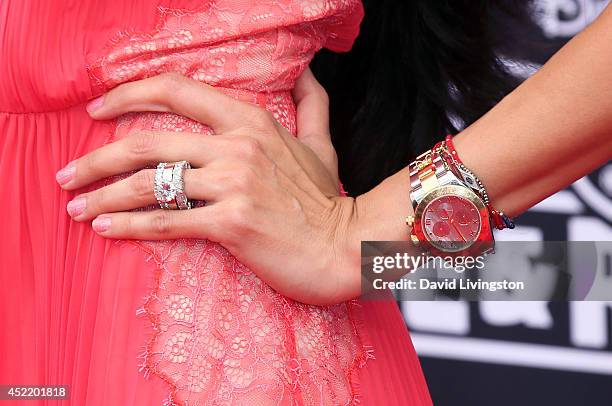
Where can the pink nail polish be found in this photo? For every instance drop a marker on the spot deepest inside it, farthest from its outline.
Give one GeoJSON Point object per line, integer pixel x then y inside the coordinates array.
{"type": "Point", "coordinates": [101, 224]}
{"type": "Point", "coordinates": [76, 207]}
{"type": "Point", "coordinates": [66, 174]}
{"type": "Point", "coordinates": [95, 104]}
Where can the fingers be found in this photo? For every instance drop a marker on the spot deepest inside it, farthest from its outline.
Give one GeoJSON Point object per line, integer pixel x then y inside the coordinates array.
{"type": "Point", "coordinates": [172, 92]}
{"type": "Point", "coordinates": [314, 102]}
{"type": "Point", "coordinates": [136, 191]}
{"type": "Point", "coordinates": [140, 150]}
{"type": "Point", "coordinates": [313, 119]}
{"type": "Point", "coordinates": [159, 224]}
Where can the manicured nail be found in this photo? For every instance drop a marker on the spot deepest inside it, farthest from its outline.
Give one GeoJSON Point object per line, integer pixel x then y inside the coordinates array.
{"type": "Point", "coordinates": [76, 207]}
{"type": "Point", "coordinates": [101, 224]}
{"type": "Point", "coordinates": [95, 104]}
{"type": "Point", "coordinates": [66, 174]}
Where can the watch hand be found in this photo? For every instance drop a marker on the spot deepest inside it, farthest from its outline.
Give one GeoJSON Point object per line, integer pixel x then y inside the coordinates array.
{"type": "Point", "coordinates": [457, 230]}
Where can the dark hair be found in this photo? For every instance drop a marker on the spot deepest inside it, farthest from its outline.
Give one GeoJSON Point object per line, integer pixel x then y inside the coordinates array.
{"type": "Point", "coordinates": [415, 64]}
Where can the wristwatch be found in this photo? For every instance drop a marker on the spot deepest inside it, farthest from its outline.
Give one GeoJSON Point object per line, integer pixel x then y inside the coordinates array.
{"type": "Point", "coordinates": [450, 218]}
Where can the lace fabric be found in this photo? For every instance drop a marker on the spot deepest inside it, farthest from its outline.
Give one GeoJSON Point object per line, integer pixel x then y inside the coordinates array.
{"type": "Point", "coordinates": [221, 335]}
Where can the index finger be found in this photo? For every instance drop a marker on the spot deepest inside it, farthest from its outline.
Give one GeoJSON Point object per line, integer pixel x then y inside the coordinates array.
{"type": "Point", "coordinates": [175, 93]}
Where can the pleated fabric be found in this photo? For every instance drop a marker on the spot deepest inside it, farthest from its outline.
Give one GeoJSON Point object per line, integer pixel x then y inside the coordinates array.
{"type": "Point", "coordinates": [69, 299]}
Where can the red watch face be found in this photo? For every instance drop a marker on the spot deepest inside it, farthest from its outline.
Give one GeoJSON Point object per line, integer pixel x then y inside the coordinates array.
{"type": "Point", "coordinates": [451, 223]}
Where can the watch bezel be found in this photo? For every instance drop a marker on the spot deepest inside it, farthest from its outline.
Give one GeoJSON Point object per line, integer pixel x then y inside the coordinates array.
{"type": "Point", "coordinates": [484, 234]}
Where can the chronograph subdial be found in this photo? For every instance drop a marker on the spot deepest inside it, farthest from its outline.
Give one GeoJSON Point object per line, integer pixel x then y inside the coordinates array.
{"type": "Point", "coordinates": [451, 222]}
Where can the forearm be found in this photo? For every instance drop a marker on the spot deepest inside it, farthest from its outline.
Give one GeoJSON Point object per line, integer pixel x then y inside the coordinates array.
{"type": "Point", "coordinates": [551, 130]}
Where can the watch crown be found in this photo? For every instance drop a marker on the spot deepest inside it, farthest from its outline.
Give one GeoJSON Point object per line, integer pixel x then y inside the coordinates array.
{"type": "Point", "coordinates": [414, 239]}
{"type": "Point", "coordinates": [410, 221]}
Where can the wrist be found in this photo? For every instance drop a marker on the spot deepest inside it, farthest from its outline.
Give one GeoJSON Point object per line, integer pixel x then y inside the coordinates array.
{"type": "Point", "coordinates": [342, 272]}
{"type": "Point", "coordinates": [381, 213]}
{"type": "Point", "coordinates": [378, 215]}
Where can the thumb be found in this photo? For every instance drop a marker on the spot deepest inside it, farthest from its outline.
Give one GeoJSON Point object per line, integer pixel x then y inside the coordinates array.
{"type": "Point", "coordinates": [313, 119]}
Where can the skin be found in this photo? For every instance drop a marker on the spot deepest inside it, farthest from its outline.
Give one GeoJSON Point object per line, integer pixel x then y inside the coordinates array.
{"type": "Point", "coordinates": [273, 200]}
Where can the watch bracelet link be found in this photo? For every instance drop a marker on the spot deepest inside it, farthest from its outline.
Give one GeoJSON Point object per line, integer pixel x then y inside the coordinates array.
{"type": "Point", "coordinates": [427, 172]}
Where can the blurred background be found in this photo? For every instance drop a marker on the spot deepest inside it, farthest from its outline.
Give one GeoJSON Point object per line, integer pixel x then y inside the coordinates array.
{"type": "Point", "coordinates": [529, 353]}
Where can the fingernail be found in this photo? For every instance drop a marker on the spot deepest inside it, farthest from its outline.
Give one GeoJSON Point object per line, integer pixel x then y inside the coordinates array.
{"type": "Point", "coordinates": [66, 174]}
{"type": "Point", "coordinates": [95, 104]}
{"type": "Point", "coordinates": [101, 224]}
{"type": "Point", "coordinates": [76, 206]}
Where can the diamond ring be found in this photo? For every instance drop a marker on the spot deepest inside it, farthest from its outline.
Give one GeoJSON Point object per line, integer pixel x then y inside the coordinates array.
{"type": "Point", "coordinates": [169, 187]}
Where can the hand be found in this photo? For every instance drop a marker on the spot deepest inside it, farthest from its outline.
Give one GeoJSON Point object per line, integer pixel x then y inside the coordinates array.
{"type": "Point", "coordinates": [272, 199]}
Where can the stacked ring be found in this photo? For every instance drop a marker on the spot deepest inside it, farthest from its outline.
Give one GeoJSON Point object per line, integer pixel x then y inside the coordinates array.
{"type": "Point", "coordinates": [169, 187]}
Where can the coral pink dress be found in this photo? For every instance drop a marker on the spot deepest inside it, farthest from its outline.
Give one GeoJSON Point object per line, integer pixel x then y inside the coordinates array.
{"type": "Point", "coordinates": [172, 322]}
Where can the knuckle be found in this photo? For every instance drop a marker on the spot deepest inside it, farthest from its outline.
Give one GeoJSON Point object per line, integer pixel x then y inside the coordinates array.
{"type": "Point", "coordinates": [143, 143]}
{"type": "Point", "coordinates": [199, 179]}
{"type": "Point", "coordinates": [127, 224]}
{"type": "Point", "coordinates": [262, 118]}
{"type": "Point", "coordinates": [161, 223]}
{"type": "Point", "coordinates": [95, 201]}
{"type": "Point", "coordinates": [91, 163]}
{"type": "Point", "coordinates": [171, 81]}
{"type": "Point", "coordinates": [322, 93]}
{"type": "Point", "coordinates": [269, 143]}
{"type": "Point", "coordinates": [249, 148]}
{"type": "Point", "coordinates": [237, 214]}
{"type": "Point", "coordinates": [143, 182]}
{"type": "Point", "coordinates": [244, 178]}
